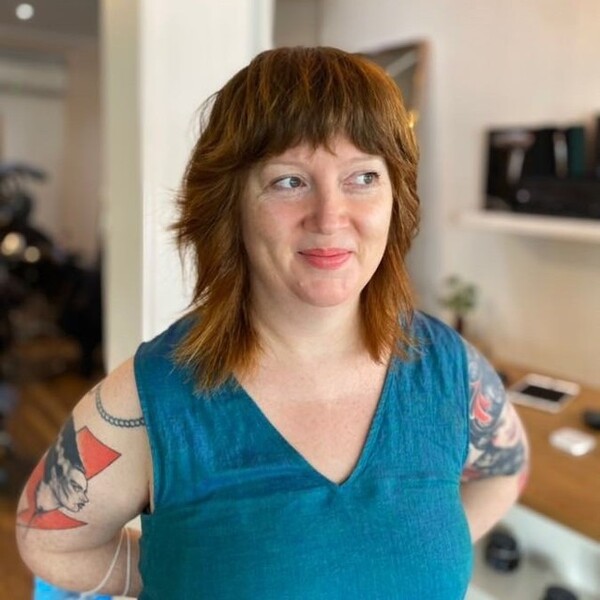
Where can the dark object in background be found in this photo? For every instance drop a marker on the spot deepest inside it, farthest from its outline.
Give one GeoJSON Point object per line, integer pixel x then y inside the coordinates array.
{"type": "Point", "coordinates": [542, 171]}
{"type": "Point", "coordinates": [506, 158]}
{"type": "Point", "coordinates": [556, 592]}
{"type": "Point", "coordinates": [576, 160]}
{"type": "Point", "coordinates": [547, 155]}
{"type": "Point", "coordinates": [502, 551]}
{"type": "Point", "coordinates": [592, 418]}
{"type": "Point", "coordinates": [503, 378]}
{"type": "Point", "coordinates": [81, 313]}
{"type": "Point", "coordinates": [15, 203]}
{"type": "Point", "coordinates": [558, 197]}
{"type": "Point", "coordinates": [597, 149]}
{"type": "Point", "coordinates": [8, 401]}
{"type": "Point", "coordinates": [35, 268]}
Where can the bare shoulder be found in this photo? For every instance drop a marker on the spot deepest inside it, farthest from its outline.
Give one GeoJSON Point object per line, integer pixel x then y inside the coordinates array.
{"type": "Point", "coordinates": [112, 410]}
{"type": "Point", "coordinates": [95, 477]}
{"type": "Point", "coordinates": [115, 400]}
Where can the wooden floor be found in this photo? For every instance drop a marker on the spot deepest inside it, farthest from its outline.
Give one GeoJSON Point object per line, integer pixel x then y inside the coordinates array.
{"type": "Point", "coordinates": [42, 407]}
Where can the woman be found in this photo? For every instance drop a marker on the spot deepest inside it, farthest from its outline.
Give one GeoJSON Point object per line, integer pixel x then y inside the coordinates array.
{"type": "Point", "coordinates": [302, 432]}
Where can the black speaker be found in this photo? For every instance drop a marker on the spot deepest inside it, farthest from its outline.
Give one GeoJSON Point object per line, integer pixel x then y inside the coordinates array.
{"type": "Point", "coordinates": [543, 171]}
{"type": "Point", "coordinates": [556, 592]}
{"type": "Point", "coordinates": [502, 551]}
{"type": "Point", "coordinates": [578, 198]}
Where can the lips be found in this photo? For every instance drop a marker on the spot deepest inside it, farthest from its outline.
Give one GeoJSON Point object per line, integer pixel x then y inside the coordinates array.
{"type": "Point", "coordinates": [326, 258]}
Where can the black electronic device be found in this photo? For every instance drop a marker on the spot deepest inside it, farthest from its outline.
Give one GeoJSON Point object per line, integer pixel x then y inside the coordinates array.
{"type": "Point", "coordinates": [557, 592]}
{"type": "Point", "coordinates": [579, 198]}
{"type": "Point", "coordinates": [502, 551]}
{"type": "Point", "coordinates": [543, 392]}
{"type": "Point", "coordinates": [543, 171]}
{"type": "Point", "coordinates": [592, 418]}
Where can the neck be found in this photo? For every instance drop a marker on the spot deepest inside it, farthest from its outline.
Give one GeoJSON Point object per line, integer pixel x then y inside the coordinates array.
{"type": "Point", "coordinates": [308, 334]}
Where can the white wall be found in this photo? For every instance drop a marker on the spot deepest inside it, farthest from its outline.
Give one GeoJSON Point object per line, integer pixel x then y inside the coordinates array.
{"type": "Point", "coordinates": [49, 106]}
{"type": "Point", "coordinates": [32, 110]}
{"type": "Point", "coordinates": [79, 203]}
{"type": "Point", "coordinates": [495, 63]}
{"type": "Point", "coordinates": [188, 53]}
{"type": "Point", "coordinates": [297, 22]}
{"type": "Point", "coordinates": [121, 190]}
{"type": "Point", "coordinates": [162, 60]}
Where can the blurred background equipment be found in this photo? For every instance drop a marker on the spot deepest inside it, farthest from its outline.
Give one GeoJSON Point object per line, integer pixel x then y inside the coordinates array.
{"type": "Point", "coordinates": [51, 305]}
{"type": "Point", "coordinates": [50, 315]}
{"type": "Point", "coordinates": [502, 551]}
{"type": "Point", "coordinates": [545, 171]}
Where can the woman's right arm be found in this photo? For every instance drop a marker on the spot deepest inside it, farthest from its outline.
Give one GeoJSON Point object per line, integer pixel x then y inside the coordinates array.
{"type": "Point", "coordinates": [93, 480]}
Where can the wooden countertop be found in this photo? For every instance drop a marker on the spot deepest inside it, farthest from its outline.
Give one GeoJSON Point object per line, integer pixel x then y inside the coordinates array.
{"type": "Point", "coordinates": [562, 487]}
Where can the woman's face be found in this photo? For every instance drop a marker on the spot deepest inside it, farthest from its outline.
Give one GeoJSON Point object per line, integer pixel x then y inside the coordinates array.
{"type": "Point", "coordinates": [70, 488]}
{"type": "Point", "coordinates": [315, 224]}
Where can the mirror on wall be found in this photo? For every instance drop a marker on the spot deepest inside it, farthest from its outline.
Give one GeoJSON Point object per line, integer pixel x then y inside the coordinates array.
{"type": "Point", "coordinates": [406, 63]}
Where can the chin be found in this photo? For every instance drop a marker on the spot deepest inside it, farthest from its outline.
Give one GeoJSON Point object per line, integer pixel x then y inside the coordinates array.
{"type": "Point", "coordinates": [327, 294]}
{"type": "Point", "coordinates": [330, 299]}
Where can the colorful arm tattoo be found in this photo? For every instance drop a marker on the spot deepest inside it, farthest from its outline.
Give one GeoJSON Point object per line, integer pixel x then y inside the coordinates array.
{"type": "Point", "coordinates": [497, 441]}
{"type": "Point", "coordinates": [59, 483]}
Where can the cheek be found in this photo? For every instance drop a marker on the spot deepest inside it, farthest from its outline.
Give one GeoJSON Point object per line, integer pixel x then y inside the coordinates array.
{"type": "Point", "coordinates": [266, 228]}
{"type": "Point", "coordinates": [258, 234]}
{"type": "Point", "coordinates": [250, 230]}
{"type": "Point", "coordinates": [376, 224]}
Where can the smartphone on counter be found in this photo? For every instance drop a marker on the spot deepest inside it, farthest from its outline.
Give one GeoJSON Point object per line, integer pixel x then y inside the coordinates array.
{"type": "Point", "coordinates": [545, 393]}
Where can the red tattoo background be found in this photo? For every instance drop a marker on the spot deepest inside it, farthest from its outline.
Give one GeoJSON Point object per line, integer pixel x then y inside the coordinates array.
{"type": "Point", "coordinates": [95, 455]}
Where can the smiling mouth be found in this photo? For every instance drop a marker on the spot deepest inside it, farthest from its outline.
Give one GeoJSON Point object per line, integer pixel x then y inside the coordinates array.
{"type": "Point", "coordinates": [326, 258]}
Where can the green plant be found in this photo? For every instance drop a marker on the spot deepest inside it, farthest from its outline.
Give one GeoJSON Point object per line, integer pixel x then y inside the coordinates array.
{"type": "Point", "coordinates": [461, 298]}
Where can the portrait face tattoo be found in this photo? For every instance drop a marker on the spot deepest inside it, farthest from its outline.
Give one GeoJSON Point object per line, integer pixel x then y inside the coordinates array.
{"type": "Point", "coordinates": [63, 484]}
{"type": "Point", "coordinates": [59, 482]}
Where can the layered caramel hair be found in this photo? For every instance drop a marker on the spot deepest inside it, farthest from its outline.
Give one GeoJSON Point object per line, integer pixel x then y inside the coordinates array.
{"type": "Point", "coordinates": [282, 98]}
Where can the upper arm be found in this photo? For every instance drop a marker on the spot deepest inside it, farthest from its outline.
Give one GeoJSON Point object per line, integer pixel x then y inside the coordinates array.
{"type": "Point", "coordinates": [497, 440]}
{"type": "Point", "coordinates": [95, 477]}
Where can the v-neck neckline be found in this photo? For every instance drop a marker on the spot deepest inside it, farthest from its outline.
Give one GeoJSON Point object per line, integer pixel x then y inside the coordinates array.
{"type": "Point", "coordinates": [365, 452]}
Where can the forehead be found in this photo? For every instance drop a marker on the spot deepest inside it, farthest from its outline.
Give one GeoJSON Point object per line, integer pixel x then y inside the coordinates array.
{"type": "Point", "coordinates": [77, 476]}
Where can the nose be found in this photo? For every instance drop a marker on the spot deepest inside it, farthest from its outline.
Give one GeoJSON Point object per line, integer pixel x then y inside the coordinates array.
{"type": "Point", "coordinates": [328, 210]}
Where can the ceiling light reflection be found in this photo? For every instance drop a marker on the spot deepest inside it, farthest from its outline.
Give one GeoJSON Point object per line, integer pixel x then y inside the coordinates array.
{"type": "Point", "coordinates": [12, 244]}
{"type": "Point", "coordinates": [24, 11]}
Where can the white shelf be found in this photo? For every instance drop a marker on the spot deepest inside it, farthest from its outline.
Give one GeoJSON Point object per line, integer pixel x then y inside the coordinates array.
{"type": "Point", "coordinates": [581, 230]}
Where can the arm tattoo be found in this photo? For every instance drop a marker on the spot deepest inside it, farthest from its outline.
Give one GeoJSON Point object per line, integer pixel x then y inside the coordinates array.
{"type": "Point", "coordinates": [117, 422]}
{"type": "Point", "coordinates": [497, 445]}
{"type": "Point", "coordinates": [60, 480]}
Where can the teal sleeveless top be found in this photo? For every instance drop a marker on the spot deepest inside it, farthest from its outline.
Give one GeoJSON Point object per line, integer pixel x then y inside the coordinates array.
{"type": "Point", "coordinates": [241, 515]}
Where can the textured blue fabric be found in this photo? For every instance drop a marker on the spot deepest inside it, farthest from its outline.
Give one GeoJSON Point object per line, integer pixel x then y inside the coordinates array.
{"type": "Point", "coordinates": [240, 514]}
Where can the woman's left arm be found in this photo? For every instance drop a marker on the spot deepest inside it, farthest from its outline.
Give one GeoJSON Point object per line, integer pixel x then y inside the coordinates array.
{"type": "Point", "coordinates": [497, 464]}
